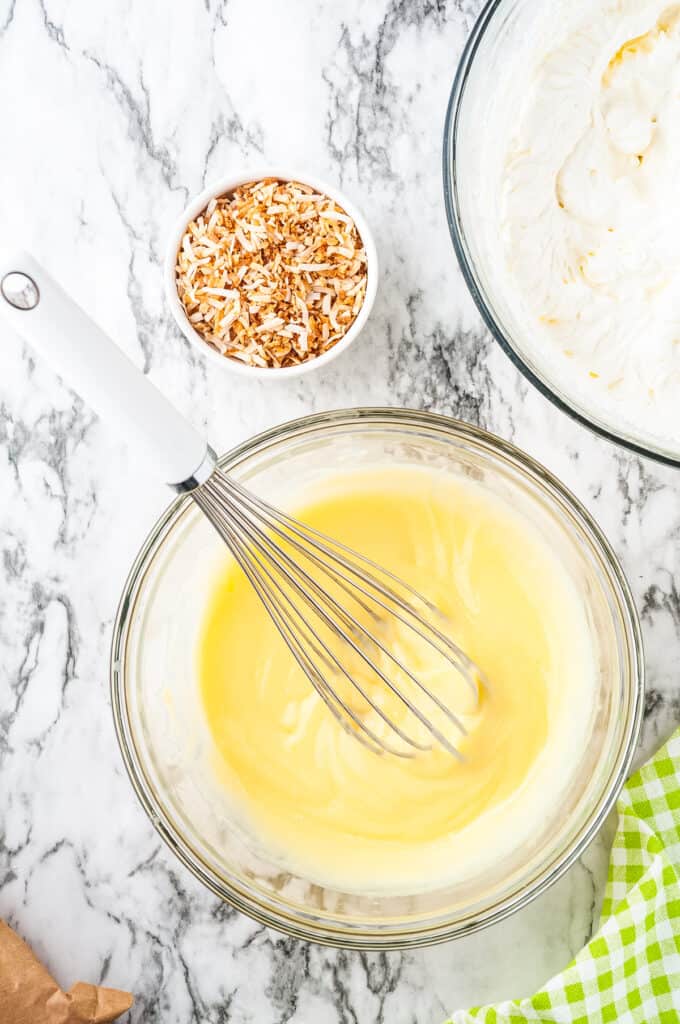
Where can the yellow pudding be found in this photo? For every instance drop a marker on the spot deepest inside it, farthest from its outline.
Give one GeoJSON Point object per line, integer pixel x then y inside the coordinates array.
{"type": "Point", "coordinates": [335, 810]}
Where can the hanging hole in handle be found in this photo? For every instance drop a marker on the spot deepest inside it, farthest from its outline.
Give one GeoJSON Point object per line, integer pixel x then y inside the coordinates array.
{"type": "Point", "coordinates": [20, 290]}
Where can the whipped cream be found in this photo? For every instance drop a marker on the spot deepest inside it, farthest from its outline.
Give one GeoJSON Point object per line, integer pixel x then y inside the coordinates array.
{"type": "Point", "coordinates": [584, 171]}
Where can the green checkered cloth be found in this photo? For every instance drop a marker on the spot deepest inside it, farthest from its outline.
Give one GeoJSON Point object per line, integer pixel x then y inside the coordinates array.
{"type": "Point", "coordinates": [630, 971]}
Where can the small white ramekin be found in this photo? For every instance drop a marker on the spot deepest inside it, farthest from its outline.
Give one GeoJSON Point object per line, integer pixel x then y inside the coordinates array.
{"type": "Point", "coordinates": [223, 187]}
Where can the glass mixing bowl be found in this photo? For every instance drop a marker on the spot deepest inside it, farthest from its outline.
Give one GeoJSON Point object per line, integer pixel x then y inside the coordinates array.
{"type": "Point", "coordinates": [470, 144]}
{"type": "Point", "coordinates": [165, 741]}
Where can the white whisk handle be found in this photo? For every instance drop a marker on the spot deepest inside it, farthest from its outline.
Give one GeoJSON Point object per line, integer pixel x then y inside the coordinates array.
{"type": "Point", "coordinates": [40, 311]}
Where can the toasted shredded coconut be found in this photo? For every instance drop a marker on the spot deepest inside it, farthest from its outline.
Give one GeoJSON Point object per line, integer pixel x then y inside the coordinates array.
{"type": "Point", "coordinates": [272, 275]}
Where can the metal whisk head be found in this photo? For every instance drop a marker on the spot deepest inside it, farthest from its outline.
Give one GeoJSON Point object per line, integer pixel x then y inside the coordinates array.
{"type": "Point", "coordinates": [337, 611]}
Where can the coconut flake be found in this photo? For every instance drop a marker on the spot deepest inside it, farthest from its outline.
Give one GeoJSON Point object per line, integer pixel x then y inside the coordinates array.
{"type": "Point", "coordinates": [243, 296]}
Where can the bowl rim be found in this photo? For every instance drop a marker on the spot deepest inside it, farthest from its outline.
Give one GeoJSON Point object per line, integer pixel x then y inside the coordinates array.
{"type": "Point", "coordinates": [466, 264]}
{"type": "Point", "coordinates": [310, 926]}
{"type": "Point", "coordinates": [222, 186]}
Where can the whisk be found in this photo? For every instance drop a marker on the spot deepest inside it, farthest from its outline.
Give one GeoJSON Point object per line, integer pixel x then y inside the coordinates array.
{"type": "Point", "coordinates": [334, 608]}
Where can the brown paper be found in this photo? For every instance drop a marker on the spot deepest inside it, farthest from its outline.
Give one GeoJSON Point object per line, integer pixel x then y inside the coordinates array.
{"type": "Point", "coordinates": [29, 994]}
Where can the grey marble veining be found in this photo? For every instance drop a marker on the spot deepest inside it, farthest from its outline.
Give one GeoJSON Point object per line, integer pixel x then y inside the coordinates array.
{"type": "Point", "coordinates": [113, 113]}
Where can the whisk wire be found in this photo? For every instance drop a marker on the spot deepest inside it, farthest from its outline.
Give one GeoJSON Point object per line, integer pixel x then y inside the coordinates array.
{"type": "Point", "coordinates": [320, 542]}
{"type": "Point", "coordinates": [263, 541]}
{"type": "Point", "coordinates": [342, 580]}
{"type": "Point", "coordinates": [290, 570]}
{"type": "Point", "coordinates": [246, 561]}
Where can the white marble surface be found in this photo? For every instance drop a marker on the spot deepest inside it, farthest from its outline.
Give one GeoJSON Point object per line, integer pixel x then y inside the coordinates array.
{"type": "Point", "coordinates": [113, 113]}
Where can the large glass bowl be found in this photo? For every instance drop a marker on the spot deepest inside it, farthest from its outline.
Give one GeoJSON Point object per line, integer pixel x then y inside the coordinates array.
{"type": "Point", "coordinates": [484, 71]}
{"type": "Point", "coordinates": [165, 741]}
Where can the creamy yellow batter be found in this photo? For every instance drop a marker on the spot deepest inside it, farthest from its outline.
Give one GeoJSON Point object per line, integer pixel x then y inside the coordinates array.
{"type": "Point", "coordinates": [338, 812]}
